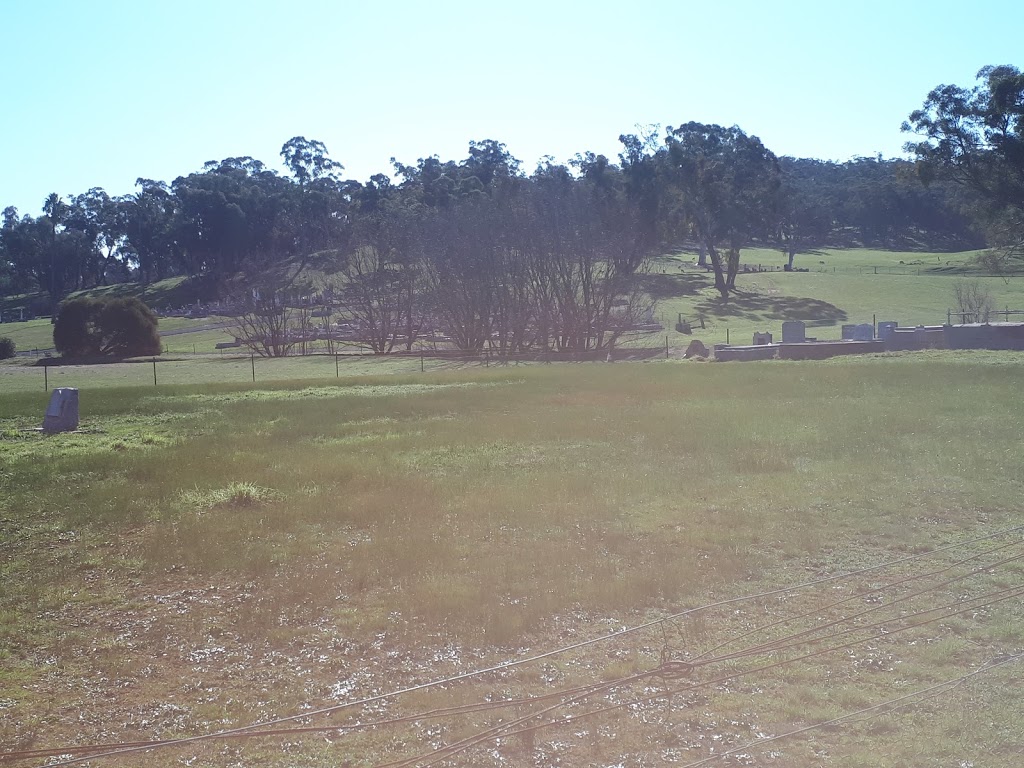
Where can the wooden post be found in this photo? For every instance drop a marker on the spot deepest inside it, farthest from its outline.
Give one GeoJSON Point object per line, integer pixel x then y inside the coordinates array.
{"type": "Point", "coordinates": [46, 378]}
{"type": "Point", "coordinates": [666, 346]}
{"type": "Point", "coordinates": [336, 373]}
{"type": "Point", "coordinates": [154, 371]}
{"type": "Point", "coordinates": [421, 362]}
{"type": "Point", "coordinates": [252, 359]}
{"type": "Point", "coordinates": [726, 335]}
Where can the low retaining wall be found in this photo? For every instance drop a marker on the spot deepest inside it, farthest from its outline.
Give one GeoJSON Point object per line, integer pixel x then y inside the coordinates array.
{"type": "Point", "coordinates": [808, 350]}
{"type": "Point", "coordinates": [725, 353]}
{"type": "Point", "coordinates": [993, 336]}
{"type": "Point", "coordinates": [1008, 336]}
{"type": "Point", "coordinates": [922, 337]}
{"type": "Point", "coordinates": [820, 350]}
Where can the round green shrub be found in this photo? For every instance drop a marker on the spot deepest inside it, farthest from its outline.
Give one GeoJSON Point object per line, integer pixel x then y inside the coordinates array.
{"type": "Point", "coordinates": [116, 327]}
{"type": "Point", "coordinates": [7, 348]}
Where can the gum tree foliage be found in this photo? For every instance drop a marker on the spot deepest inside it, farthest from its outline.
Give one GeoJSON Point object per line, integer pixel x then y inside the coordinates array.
{"type": "Point", "coordinates": [147, 220]}
{"type": "Point", "coordinates": [975, 137]}
{"type": "Point", "coordinates": [806, 211]}
{"type": "Point", "coordinates": [726, 186]}
{"type": "Point", "coordinates": [123, 327]}
{"type": "Point", "coordinates": [476, 249]}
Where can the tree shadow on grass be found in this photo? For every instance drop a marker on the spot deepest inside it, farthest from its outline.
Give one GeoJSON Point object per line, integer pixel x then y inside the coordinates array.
{"type": "Point", "coordinates": [756, 308]}
{"type": "Point", "coordinates": [664, 286]}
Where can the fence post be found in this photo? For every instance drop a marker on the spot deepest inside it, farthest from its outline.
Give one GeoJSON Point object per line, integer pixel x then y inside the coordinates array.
{"type": "Point", "coordinates": [336, 373]}
{"type": "Point", "coordinates": [949, 317]}
{"type": "Point", "coordinates": [46, 378]}
{"type": "Point", "coordinates": [726, 335]}
{"type": "Point", "coordinates": [421, 362]}
{"type": "Point", "coordinates": [154, 371]}
{"type": "Point", "coordinates": [252, 359]}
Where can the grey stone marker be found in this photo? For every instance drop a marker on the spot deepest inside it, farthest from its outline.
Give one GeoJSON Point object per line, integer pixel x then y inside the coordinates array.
{"type": "Point", "coordinates": [62, 412]}
{"type": "Point", "coordinates": [762, 338]}
{"type": "Point", "coordinates": [886, 328]}
{"type": "Point", "coordinates": [793, 332]}
{"type": "Point", "coordinates": [864, 332]}
{"type": "Point", "coordinates": [848, 332]}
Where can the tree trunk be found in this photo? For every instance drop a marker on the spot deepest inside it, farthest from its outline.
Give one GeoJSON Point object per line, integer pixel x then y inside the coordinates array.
{"type": "Point", "coordinates": [721, 284]}
{"type": "Point", "coordinates": [733, 266]}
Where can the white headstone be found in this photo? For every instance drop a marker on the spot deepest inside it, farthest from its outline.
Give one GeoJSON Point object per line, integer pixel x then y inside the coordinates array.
{"type": "Point", "coordinates": [62, 412]}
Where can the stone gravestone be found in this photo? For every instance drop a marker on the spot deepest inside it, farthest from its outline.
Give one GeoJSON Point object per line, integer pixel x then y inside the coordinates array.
{"type": "Point", "coordinates": [886, 329]}
{"type": "Point", "coordinates": [793, 332]}
{"type": "Point", "coordinates": [62, 412]}
{"type": "Point", "coordinates": [864, 332]}
{"type": "Point", "coordinates": [762, 338]}
{"type": "Point", "coordinates": [848, 332]}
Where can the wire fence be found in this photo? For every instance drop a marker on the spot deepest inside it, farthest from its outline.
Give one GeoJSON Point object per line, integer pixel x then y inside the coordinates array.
{"type": "Point", "coordinates": [222, 368]}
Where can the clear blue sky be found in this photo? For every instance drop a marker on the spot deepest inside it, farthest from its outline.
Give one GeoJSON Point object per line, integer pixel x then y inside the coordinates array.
{"type": "Point", "coordinates": [99, 93]}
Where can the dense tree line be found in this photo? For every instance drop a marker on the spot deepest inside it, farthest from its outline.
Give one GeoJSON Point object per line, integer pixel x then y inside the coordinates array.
{"type": "Point", "coordinates": [489, 253]}
{"type": "Point", "coordinates": [974, 138]}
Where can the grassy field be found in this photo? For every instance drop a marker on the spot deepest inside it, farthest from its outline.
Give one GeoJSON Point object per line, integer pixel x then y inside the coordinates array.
{"type": "Point", "coordinates": [910, 288]}
{"type": "Point", "coordinates": [25, 375]}
{"type": "Point", "coordinates": [841, 286]}
{"type": "Point", "coordinates": [38, 334]}
{"type": "Point", "coordinates": [207, 556]}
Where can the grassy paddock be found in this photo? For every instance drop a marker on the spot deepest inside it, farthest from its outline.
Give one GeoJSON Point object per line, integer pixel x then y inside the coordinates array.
{"type": "Point", "coordinates": [842, 287]}
{"type": "Point", "coordinates": [204, 556]}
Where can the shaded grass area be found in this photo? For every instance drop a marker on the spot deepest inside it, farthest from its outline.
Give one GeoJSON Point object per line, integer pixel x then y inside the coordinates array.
{"type": "Point", "coordinates": [233, 552]}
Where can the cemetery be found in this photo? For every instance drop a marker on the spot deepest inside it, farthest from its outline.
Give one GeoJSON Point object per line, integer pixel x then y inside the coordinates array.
{"type": "Point", "coordinates": [865, 338]}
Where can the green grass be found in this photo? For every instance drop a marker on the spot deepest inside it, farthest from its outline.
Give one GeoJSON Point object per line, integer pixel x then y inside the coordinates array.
{"type": "Point", "coordinates": [910, 288]}
{"type": "Point", "coordinates": [842, 286]}
{"type": "Point", "coordinates": [38, 334]}
{"type": "Point", "coordinates": [200, 556]}
{"type": "Point", "coordinates": [23, 375]}
{"type": "Point", "coordinates": [31, 334]}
